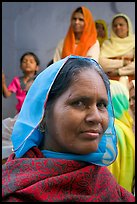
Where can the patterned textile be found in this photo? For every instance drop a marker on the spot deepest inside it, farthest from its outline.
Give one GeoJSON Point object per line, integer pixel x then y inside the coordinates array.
{"type": "Point", "coordinates": [124, 166]}
{"type": "Point", "coordinates": [38, 179]}
{"type": "Point", "coordinates": [87, 40]}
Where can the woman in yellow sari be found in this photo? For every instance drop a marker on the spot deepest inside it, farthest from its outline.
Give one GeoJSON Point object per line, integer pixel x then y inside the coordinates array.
{"type": "Point", "coordinates": [117, 54]}
{"type": "Point", "coordinates": [102, 31]}
{"type": "Point", "coordinates": [124, 166]}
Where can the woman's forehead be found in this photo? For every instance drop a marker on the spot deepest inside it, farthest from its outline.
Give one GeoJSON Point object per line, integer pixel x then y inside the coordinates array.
{"type": "Point", "coordinates": [88, 77]}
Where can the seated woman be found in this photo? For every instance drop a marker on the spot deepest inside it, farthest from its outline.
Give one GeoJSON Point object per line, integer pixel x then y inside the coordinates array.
{"type": "Point", "coordinates": [102, 31]}
{"type": "Point", "coordinates": [124, 166]}
{"type": "Point", "coordinates": [66, 138]}
{"type": "Point", "coordinates": [81, 38]}
{"type": "Point", "coordinates": [117, 55]}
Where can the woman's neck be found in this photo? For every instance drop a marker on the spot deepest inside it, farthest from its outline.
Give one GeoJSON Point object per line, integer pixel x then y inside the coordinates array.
{"type": "Point", "coordinates": [77, 37]}
{"type": "Point", "coordinates": [28, 76]}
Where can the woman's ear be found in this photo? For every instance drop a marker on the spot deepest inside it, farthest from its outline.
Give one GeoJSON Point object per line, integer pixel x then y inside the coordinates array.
{"type": "Point", "coordinates": [37, 68]}
{"type": "Point", "coordinates": [42, 125]}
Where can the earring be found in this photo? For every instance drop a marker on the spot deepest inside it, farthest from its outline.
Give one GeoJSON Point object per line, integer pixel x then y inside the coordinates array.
{"type": "Point", "coordinates": [41, 128]}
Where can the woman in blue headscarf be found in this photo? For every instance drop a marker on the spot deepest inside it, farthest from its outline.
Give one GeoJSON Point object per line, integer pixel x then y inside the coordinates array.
{"type": "Point", "coordinates": [64, 138]}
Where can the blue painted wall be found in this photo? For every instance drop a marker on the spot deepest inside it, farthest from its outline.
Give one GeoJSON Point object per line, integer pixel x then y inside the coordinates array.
{"type": "Point", "coordinates": [37, 27]}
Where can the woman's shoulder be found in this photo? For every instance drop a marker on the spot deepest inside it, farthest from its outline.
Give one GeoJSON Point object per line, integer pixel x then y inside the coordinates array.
{"type": "Point", "coordinates": [15, 79]}
{"type": "Point", "coordinates": [106, 42]}
{"type": "Point", "coordinates": [96, 45]}
{"type": "Point", "coordinates": [60, 42]}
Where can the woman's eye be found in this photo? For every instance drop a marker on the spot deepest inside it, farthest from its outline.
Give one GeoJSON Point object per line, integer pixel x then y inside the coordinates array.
{"type": "Point", "coordinates": [32, 62]}
{"type": "Point", "coordinates": [78, 104]}
{"type": "Point", "coordinates": [102, 105]}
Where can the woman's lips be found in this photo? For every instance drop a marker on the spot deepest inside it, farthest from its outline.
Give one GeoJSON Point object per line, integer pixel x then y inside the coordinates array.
{"type": "Point", "coordinates": [90, 135]}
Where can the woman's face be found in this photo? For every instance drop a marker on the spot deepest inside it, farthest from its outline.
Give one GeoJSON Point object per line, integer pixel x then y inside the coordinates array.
{"type": "Point", "coordinates": [78, 23]}
{"type": "Point", "coordinates": [79, 116]}
{"type": "Point", "coordinates": [100, 30]}
{"type": "Point", "coordinates": [120, 27]}
{"type": "Point", "coordinates": [29, 64]}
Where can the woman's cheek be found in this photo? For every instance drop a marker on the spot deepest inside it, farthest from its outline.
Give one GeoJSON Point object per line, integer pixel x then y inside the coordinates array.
{"type": "Point", "coordinates": [105, 121]}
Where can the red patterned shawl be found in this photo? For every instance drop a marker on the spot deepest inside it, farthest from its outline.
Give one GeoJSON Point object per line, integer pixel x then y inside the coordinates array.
{"type": "Point", "coordinates": [40, 179]}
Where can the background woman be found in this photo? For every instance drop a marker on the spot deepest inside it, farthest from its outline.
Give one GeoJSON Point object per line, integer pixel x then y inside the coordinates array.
{"type": "Point", "coordinates": [117, 55]}
{"type": "Point", "coordinates": [124, 166]}
{"type": "Point", "coordinates": [102, 30]}
{"type": "Point", "coordinates": [81, 38]}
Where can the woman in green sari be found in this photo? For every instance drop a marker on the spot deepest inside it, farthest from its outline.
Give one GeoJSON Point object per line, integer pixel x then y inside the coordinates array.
{"type": "Point", "coordinates": [124, 166]}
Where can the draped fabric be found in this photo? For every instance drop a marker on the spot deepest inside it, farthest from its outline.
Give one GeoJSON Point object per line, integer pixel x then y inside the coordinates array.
{"type": "Point", "coordinates": [87, 40]}
{"type": "Point", "coordinates": [38, 179]}
{"type": "Point", "coordinates": [117, 46]}
{"type": "Point", "coordinates": [102, 39]}
{"type": "Point", "coordinates": [124, 166]}
{"type": "Point", "coordinates": [26, 133]}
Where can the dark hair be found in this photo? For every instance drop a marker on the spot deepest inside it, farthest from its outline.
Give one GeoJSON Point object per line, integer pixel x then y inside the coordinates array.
{"type": "Point", "coordinates": [97, 24]}
{"type": "Point", "coordinates": [30, 53]}
{"type": "Point", "coordinates": [120, 17]}
{"type": "Point", "coordinates": [50, 62]}
{"type": "Point", "coordinates": [78, 10]}
{"type": "Point", "coordinates": [71, 68]}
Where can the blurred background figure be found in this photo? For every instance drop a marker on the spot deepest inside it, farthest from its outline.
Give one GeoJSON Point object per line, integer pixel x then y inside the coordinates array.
{"type": "Point", "coordinates": [81, 38]}
{"type": "Point", "coordinates": [132, 100]}
{"type": "Point", "coordinates": [117, 55]}
{"type": "Point", "coordinates": [29, 64]}
{"type": "Point", "coordinates": [102, 30]}
{"type": "Point", "coordinates": [124, 166]}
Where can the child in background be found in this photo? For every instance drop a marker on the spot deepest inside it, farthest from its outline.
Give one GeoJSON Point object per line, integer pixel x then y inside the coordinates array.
{"type": "Point", "coordinates": [29, 64]}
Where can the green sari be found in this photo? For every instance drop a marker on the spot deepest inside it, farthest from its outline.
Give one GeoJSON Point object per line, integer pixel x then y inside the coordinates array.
{"type": "Point", "coordinates": [124, 166]}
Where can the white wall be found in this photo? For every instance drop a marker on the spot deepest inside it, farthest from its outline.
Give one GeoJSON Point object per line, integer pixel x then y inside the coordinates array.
{"type": "Point", "coordinates": [38, 26]}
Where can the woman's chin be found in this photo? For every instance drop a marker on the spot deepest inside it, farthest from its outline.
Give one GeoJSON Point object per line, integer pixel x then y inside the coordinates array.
{"type": "Point", "coordinates": [87, 150]}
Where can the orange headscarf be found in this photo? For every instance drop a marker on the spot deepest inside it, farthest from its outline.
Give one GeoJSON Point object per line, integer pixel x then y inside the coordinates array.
{"type": "Point", "coordinates": [88, 38]}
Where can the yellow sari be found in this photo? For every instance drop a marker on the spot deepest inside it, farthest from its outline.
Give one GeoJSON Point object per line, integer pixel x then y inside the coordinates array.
{"type": "Point", "coordinates": [124, 166]}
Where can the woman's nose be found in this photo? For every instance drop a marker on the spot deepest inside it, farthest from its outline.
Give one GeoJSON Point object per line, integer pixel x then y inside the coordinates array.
{"type": "Point", "coordinates": [93, 115]}
{"type": "Point", "coordinates": [77, 20]}
{"type": "Point", "coordinates": [118, 26]}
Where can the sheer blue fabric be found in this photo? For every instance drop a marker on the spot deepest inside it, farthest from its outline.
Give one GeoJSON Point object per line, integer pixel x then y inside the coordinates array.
{"type": "Point", "coordinates": [26, 133]}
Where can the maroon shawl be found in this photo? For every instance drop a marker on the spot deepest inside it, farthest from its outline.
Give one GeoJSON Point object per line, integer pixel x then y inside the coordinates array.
{"type": "Point", "coordinates": [38, 179]}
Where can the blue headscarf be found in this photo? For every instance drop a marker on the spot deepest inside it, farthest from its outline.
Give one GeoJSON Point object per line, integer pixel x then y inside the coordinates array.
{"type": "Point", "coordinates": [26, 133]}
